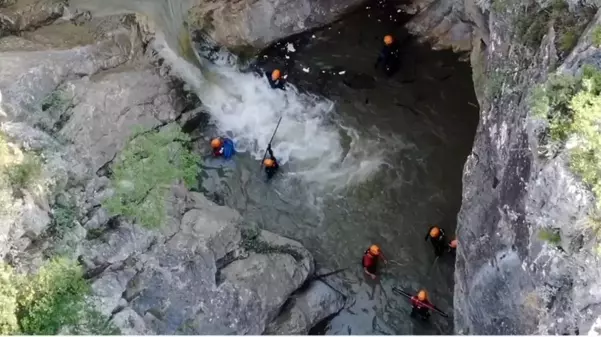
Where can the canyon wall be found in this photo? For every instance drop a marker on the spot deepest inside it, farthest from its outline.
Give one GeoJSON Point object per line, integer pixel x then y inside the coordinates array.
{"type": "Point", "coordinates": [528, 259]}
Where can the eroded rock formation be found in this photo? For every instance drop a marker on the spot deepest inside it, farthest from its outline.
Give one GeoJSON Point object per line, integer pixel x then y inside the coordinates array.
{"type": "Point", "coordinates": [509, 279]}
{"type": "Point", "coordinates": [72, 88]}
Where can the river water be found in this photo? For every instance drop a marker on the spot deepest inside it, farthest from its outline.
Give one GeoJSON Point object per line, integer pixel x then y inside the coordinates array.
{"type": "Point", "coordinates": [366, 159]}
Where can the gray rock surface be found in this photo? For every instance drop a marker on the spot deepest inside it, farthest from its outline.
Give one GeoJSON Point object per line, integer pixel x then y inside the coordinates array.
{"type": "Point", "coordinates": [71, 92]}
{"type": "Point", "coordinates": [305, 309]}
{"type": "Point", "coordinates": [509, 280]}
{"type": "Point", "coordinates": [256, 24]}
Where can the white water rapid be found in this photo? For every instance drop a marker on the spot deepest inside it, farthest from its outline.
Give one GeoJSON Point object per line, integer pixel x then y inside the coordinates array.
{"type": "Point", "coordinates": [318, 149]}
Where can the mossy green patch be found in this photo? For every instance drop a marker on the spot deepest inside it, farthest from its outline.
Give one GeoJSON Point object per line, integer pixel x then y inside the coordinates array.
{"type": "Point", "coordinates": [251, 241]}
{"type": "Point", "coordinates": [142, 174]}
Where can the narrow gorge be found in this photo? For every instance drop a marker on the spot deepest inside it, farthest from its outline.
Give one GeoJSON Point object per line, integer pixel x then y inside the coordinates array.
{"type": "Point", "coordinates": [116, 220]}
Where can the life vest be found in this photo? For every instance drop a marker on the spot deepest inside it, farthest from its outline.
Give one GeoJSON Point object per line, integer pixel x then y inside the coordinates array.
{"type": "Point", "coordinates": [369, 261]}
{"type": "Point", "coordinates": [419, 304]}
{"type": "Point", "coordinates": [218, 152]}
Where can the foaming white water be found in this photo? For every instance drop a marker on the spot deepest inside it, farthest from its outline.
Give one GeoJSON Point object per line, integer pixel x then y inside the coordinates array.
{"type": "Point", "coordinates": [243, 105]}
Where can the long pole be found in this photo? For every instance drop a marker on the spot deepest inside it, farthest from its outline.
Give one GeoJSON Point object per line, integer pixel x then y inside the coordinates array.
{"type": "Point", "coordinates": [430, 306]}
{"type": "Point", "coordinates": [271, 140]}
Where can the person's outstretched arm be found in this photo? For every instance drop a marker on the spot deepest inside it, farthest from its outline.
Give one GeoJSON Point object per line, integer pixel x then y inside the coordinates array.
{"type": "Point", "coordinates": [271, 156]}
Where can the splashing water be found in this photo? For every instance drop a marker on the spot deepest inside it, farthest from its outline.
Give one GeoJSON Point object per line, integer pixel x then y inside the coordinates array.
{"type": "Point", "coordinates": [310, 139]}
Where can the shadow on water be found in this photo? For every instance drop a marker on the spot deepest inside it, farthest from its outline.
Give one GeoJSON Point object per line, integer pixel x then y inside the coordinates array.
{"type": "Point", "coordinates": [424, 117]}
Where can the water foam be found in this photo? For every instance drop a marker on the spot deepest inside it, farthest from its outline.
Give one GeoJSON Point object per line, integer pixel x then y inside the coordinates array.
{"type": "Point", "coordinates": [310, 137]}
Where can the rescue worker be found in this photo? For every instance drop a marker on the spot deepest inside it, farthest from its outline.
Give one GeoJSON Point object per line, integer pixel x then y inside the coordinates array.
{"type": "Point", "coordinates": [275, 79]}
{"type": "Point", "coordinates": [222, 147]}
{"type": "Point", "coordinates": [389, 56]}
{"type": "Point", "coordinates": [271, 164]}
{"type": "Point", "coordinates": [420, 305]}
{"type": "Point", "coordinates": [436, 236]}
{"type": "Point", "coordinates": [370, 260]}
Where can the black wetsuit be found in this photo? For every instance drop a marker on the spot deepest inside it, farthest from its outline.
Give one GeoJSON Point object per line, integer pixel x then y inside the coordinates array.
{"type": "Point", "coordinates": [277, 84]}
{"type": "Point", "coordinates": [438, 243]}
{"type": "Point", "coordinates": [419, 309]}
{"type": "Point", "coordinates": [390, 57]}
{"type": "Point", "coordinates": [271, 171]}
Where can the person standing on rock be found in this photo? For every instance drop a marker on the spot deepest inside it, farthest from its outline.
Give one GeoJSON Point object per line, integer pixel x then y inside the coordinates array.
{"type": "Point", "coordinates": [223, 147]}
{"type": "Point", "coordinates": [370, 261]}
{"type": "Point", "coordinates": [389, 56]}
{"type": "Point", "coordinates": [275, 79]}
{"type": "Point", "coordinates": [271, 164]}
{"type": "Point", "coordinates": [437, 237]}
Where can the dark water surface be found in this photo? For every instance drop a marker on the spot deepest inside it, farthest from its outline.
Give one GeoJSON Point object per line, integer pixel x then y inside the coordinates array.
{"type": "Point", "coordinates": [425, 117]}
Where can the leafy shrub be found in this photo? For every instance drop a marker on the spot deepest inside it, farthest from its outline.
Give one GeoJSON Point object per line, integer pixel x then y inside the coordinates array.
{"type": "Point", "coordinates": [45, 303]}
{"type": "Point", "coordinates": [23, 174]}
{"type": "Point", "coordinates": [149, 164]}
{"type": "Point", "coordinates": [552, 101]}
{"type": "Point", "coordinates": [573, 109]}
{"type": "Point", "coordinates": [51, 299]}
{"type": "Point", "coordinates": [8, 301]}
{"type": "Point", "coordinates": [63, 219]}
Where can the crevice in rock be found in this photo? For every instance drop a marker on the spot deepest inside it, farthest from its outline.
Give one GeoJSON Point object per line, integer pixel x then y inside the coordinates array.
{"type": "Point", "coordinates": [222, 263]}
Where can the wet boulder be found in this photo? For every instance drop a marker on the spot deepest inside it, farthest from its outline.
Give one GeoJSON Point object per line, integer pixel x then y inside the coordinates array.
{"type": "Point", "coordinates": [306, 309]}
{"type": "Point", "coordinates": [198, 275]}
{"type": "Point", "coordinates": [255, 24]}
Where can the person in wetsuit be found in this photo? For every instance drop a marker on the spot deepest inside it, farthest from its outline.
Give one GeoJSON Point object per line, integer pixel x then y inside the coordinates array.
{"type": "Point", "coordinates": [437, 237]}
{"type": "Point", "coordinates": [275, 79]}
{"type": "Point", "coordinates": [222, 147]}
{"type": "Point", "coordinates": [370, 260]}
{"type": "Point", "coordinates": [419, 305]}
{"type": "Point", "coordinates": [389, 56]}
{"type": "Point", "coordinates": [271, 164]}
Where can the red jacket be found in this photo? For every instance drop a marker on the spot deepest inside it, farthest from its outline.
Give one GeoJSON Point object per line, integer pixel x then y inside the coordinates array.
{"type": "Point", "coordinates": [218, 152]}
{"type": "Point", "coordinates": [369, 260]}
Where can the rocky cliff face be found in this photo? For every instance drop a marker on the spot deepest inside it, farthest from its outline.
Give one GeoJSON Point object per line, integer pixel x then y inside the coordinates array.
{"type": "Point", "coordinates": [528, 261]}
{"type": "Point", "coordinates": [72, 87]}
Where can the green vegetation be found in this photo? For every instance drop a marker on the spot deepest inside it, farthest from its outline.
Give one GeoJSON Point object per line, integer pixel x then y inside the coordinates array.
{"type": "Point", "coordinates": [149, 164]}
{"type": "Point", "coordinates": [63, 219]}
{"type": "Point", "coordinates": [550, 235]}
{"type": "Point", "coordinates": [568, 40]}
{"type": "Point", "coordinates": [23, 174]}
{"type": "Point", "coordinates": [596, 36]}
{"type": "Point", "coordinates": [48, 301]}
{"type": "Point", "coordinates": [56, 101]}
{"type": "Point", "coordinates": [534, 22]}
{"type": "Point", "coordinates": [17, 170]}
{"type": "Point", "coordinates": [251, 241]}
{"type": "Point", "coordinates": [572, 107]}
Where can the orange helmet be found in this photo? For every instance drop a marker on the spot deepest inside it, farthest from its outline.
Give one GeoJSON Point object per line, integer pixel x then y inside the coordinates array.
{"type": "Point", "coordinates": [435, 232]}
{"type": "Point", "coordinates": [388, 40]}
{"type": "Point", "coordinates": [268, 162]}
{"type": "Point", "coordinates": [453, 243]}
{"type": "Point", "coordinates": [276, 74]}
{"type": "Point", "coordinates": [216, 143]}
{"type": "Point", "coordinates": [422, 295]}
{"type": "Point", "coordinates": [374, 250]}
